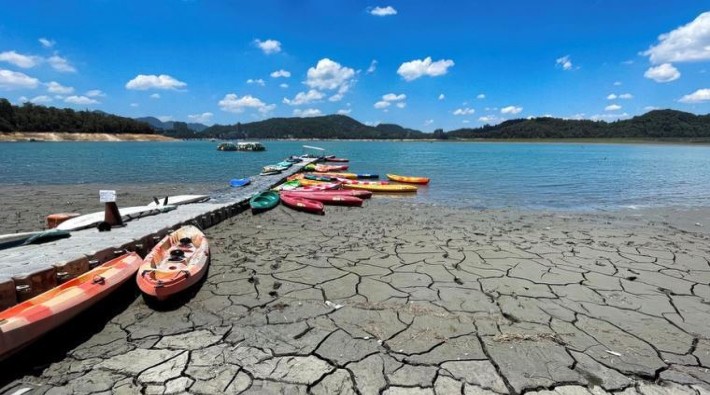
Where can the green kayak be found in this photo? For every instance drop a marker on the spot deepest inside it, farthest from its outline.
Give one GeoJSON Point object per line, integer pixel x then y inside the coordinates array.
{"type": "Point", "coordinates": [264, 201]}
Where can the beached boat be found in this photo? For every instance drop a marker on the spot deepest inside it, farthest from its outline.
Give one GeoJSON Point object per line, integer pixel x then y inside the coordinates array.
{"type": "Point", "coordinates": [288, 185]}
{"type": "Point", "coordinates": [127, 214]}
{"type": "Point", "coordinates": [325, 168]}
{"type": "Point", "coordinates": [27, 321]}
{"type": "Point", "coordinates": [367, 175]}
{"type": "Point", "coordinates": [239, 182]}
{"type": "Point", "coordinates": [326, 198]}
{"type": "Point", "coordinates": [302, 204]}
{"type": "Point", "coordinates": [264, 201]}
{"type": "Point", "coordinates": [351, 176]}
{"type": "Point", "coordinates": [42, 236]}
{"type": "Point", "coordinates": [358, 182]}
{"type": "Point", "coordinates": [175, 264]}
{"type": "Point", "coordinates": [392, 188]}
{"type": "Point", "coordinates": [313, 183]}
{"type": "Point", "coordinates": [318, 186]}
{"type": "Point", "coordinates": [316, 177]}
{"type": "Point", "coordinates": [343, 192]}
{"type": "Point", "coordinates": [408, 179]}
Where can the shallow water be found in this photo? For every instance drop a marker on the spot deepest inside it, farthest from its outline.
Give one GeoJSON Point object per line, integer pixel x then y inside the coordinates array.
{"type": "Point", "coordinates": [482, 175]}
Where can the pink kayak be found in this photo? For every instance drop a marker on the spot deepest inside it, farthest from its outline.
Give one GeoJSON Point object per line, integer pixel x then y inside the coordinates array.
{"type": "Point", "coordinates": [327, 198]}
{"type": "Point", "coordinates": [343, 192]}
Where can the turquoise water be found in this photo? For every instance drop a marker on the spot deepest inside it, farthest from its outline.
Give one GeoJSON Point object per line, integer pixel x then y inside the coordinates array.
{"type": "Point", "coordinates": [481, 175]}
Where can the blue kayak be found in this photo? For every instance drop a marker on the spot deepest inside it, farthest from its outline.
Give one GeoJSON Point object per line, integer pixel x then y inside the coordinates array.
{"type": "Point", "coordinates": [239, 182]}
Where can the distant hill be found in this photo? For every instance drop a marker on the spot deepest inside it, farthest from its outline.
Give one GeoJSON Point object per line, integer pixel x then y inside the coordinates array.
{"type": "Point", "coordinates": [158, 124]}
{"type": "Point", "coordinates": [34, 118]}
{"type": "Point", "coordinates": [325, 127]}
{"type": "Point", "coordinates": [657, 124]}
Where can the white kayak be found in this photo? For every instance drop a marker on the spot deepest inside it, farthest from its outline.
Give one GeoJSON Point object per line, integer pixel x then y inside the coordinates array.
{"type": "Point", "coordinates": [40, 236]}
{"type": "Point", "coordinates": [127, 214]}
{"type": "Point", "coordinates": [178, 200]}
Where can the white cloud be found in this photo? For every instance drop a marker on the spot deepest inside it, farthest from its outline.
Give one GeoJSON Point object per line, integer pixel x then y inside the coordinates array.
{"type": "Point", "coordinates": [10, 80]}
{"type": "Point", "coordinates": [83, 100]}
{"type": "Point", "coordinates": [284, 85]}
{"type": "Point", "coordinates": [699, 96]}
{"type": "Point", "coordinates": [489, 119]}
{"type": "Point", "coordinates": [381, 104]}
{"type": "Point", "coordinates": [414, 69]}
{"type": "Point", "coordinates": [304, 98]}
{"type": "Point", "coordinates": [383, 11]}
{"type": "Point", "coordinates": [47, 43]}
{"type": "Point", "coordinates": [481, 96]}
{"type": "Point", "coordinates": [612, 107]}
{"type": "Point", "coordinates": [612, 96]}
{"type": "Point", "coordinates": [268, 46]}
{"type": "Point", "coordinates": [663, 73]}
{"type": "Point", "coordinates": [688, 43]}
{"type": "Point", "coordinates": [309, 112]}
{"type": "Point", "coordinates": [465, 121]}
{"type": "Point", "coordinates": [201, 118]}
{"type": "Point", "coordinates": [608, 117]}
{"type": "Point", "coordinates": [464, 111]}
{"type": "Point", "coordinates": [441, 96]}
{"type": "Point", "coordinates": [256, 82]}
{"type": "Point", "coordinates": [394, 97]}
{"type": "Point", "coordinates": [330, 75]}
{"type": "Point", "coordinates": [165, 118]}
{"type": "Point", "coordinates": [401, 105]}
{"type": "Point", "coordinates": [144, 82]}
{"type": "Point", "coordinates": [373, 67]}
{"type": "Point", "coordinates": [56, 87]}
{"type": "Point", "coordinates": [134, 105]}
{"type": "Point", "coordinates": [281, 74]}
{"type": "Point", "coordinates": [336, 97]}
{"type": "Point", "coordinates": [626, 96]}
{"type": "Point", "coordinates": [565, 62]}
{"type": "Point", "coordinates": [61, 64]}
{"type": "Point", "coordinates": [511, 110]}
{"type": "Point", "coordinates": [20, 60]}
{"type": "Point", "coordinates": [95, 93]}
{"type": "Point", "coordinates": [233, 103]}
{"type": "Point", "coordinates": [617, 83]}
{"type": "Point", "coordinates": [428, 122]}
{"type": "Point", "coordinates": [345, 111]}
{"type": "Point", "coordinates": [155, 96]}
{"type": "Point", "coordinates": [41, 99]}
{"type": "Point", "coordinates": [650, 108]}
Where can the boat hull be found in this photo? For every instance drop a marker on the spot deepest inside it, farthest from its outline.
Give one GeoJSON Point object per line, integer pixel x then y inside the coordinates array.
{"type": "Point", "coordinates": [302, 204]}
{"type": "Point", "coordinates": [264, 201]}
{"type": "Point", "coordinates": [164, 274]}
{"type": "Point", "coordinates": [327, 198]}
{"type": "Point", "coordinates": [29, 320]}
{"type": "Point", "coordinates": [408, 179]}
{"type": "Point", "coordinates": [390, 188]}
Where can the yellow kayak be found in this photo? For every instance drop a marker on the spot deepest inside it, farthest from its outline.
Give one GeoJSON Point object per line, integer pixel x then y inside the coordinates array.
{"type": "Point", "coordinates": [382, 187]}
{"type": "Point", "coordinates": [408, 179]}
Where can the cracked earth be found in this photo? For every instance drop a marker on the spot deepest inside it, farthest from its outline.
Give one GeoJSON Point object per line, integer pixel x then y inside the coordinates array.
{"type": "Point", "coordinates": [402, 298]}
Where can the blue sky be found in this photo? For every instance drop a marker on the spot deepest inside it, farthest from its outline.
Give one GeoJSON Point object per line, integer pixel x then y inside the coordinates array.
{"type": "Point", "coordinates": [420, 64]}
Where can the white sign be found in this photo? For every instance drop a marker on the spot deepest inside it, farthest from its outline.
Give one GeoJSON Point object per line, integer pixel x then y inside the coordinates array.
{"type": "Point", "coordinates": [107, 196]}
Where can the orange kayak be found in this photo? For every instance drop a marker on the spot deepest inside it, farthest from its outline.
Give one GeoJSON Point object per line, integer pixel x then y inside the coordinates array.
{"type": "Point", "coordinates": [27, 321]}
{"type": "Point", "coordinates": [176, 263]}
{"type": "Point", "coordinates": [408, 179]}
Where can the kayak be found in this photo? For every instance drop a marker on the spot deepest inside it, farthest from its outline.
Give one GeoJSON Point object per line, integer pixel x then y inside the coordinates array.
{"type": "Point", "coordinates": [325, 168]}
{"type": "Point", "coordinates": [318, 186]}
{"type": "Point", "coordinates": [408, 179]}
{"type": "Point", "coordinates": [239, 182]}
{"type": "Point", "coordinates": [355, 182]}
{"type": "Point", "coordinates": [368, 175]}
{"type": "Point", "coordinates": [270, 172]}
{"type": "Point", "coordinates": [175, 264]}
{"type": "Point", "coordinates": [287, 186]}
{"type": "Point", "coordinates": [344, 192]}
{"type": "Point", "coordinates": [178, 200]}
{"type": "Point", "coordinates": [285, 164]}
{"type": "Point", "coordinates": [394, 188]}
{"type": "Point", "coordinates": [25, 322]}
{"type": "Point", "coordinates": [334, 159]}
{"type": "Point", "coordinates": [264, 201]}
{"type": "Point", "coordinates": [351, 176]}
{"type": "Point", "coordinates": [315, 177]}
{"type": "Point", "coordinates": [302, 204]}
{"type": "Point", "coordinates": [326, 198]}
{"type": "Point", "coordinates": [37, 237]}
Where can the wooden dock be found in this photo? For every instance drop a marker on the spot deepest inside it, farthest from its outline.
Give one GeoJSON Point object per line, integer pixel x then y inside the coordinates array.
{"type": "Point", "coordinates": [27, 271]}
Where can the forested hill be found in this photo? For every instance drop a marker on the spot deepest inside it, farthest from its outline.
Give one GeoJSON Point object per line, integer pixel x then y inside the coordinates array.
{"type": "Point", "coordinates": [652, 125]}
{"type": "Point", "coordinates": [34, 118]}
{"type": "Point", "coordinates": [325, 127]}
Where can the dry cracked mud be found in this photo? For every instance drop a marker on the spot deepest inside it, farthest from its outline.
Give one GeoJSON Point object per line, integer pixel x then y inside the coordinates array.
{"type": "Point", "coordinates": [400, 298]}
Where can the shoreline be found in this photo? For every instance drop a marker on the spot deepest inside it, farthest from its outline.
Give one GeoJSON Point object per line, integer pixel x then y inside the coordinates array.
{"type": "Point", "coordinates": [42, 137]}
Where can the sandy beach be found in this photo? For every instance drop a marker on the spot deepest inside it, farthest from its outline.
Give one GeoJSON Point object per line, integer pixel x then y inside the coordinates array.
{"type": "Point", "coordinates": [408, 298]}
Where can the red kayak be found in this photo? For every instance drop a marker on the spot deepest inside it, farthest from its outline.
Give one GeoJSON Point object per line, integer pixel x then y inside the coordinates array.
{"type": "Point", "coordinates": [334, 159]}
{"type": "Point", "coordinates": [328, 198]}
{"type": "Point", "coordinates": [342, 192]}
{"type": "Point", "coordinates": [356, 182]}
{"type": "Point", "coordinates": [319, 186]}
{"type": "Point", "coordinates": [302, 204]}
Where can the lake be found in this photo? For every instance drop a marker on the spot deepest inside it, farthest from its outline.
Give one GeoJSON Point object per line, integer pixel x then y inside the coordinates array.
{"type": "Point", "coordinates": [565, 176]}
